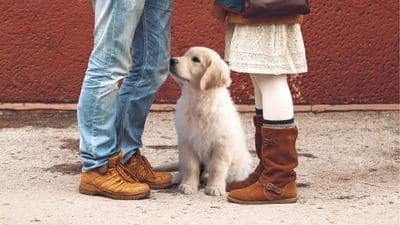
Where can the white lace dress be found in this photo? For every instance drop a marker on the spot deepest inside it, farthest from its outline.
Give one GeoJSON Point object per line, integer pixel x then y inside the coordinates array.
{"type": "Point", "coordinates": [265, 49]}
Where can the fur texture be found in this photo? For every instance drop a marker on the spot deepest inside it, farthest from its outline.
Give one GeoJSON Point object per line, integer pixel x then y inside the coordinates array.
{"type": "Point", "coordinates": [207, 123]}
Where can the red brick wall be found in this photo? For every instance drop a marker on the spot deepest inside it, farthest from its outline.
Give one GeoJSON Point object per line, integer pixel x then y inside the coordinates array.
{"type": "Point", "coordinates": [352, 48]}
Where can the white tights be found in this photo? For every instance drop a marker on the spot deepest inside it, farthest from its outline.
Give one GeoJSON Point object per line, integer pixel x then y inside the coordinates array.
{"type": "Point", "coordinates": [273, 96]}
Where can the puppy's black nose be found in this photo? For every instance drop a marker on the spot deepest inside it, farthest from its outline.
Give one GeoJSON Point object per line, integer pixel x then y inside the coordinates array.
{"type": "Point", "coordinates": [173, 62]}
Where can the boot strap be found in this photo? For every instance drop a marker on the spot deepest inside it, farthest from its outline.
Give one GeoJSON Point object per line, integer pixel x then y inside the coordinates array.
{"type": "Point", "coordinates": [271, 187]}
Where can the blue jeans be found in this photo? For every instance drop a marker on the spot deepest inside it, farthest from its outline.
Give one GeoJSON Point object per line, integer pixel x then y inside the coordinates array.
{"type": "Point", "coordinates": [131, 42]}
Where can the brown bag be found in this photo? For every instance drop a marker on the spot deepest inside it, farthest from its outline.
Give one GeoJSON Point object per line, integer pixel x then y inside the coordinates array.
{"type": "Point", "coordinates": [258, 9]}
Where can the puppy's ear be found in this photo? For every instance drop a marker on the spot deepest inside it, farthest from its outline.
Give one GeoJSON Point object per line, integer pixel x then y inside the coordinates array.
{"type": "Point", "coordinates": [217, 75]}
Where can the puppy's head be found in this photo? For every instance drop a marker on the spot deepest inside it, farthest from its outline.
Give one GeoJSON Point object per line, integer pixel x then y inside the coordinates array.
{"type": "Point", "coordinates": [202, 68]}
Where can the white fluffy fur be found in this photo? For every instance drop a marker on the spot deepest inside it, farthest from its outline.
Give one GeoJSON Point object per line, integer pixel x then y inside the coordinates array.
{"type": "Point", "coordinates": [207, 123]}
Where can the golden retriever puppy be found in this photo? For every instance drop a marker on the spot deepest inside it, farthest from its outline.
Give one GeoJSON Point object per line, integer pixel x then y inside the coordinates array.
{"type": "Point", "coordinates": [208, 126]}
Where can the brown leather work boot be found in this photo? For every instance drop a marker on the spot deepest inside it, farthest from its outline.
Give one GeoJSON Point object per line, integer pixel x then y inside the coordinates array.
{"type": "Point", "coordinates": [139, 167]}
{"type": "Point", "coordinates": [253, 177]}
{"type": "Point", "coordinates": [112, 181]}
{"type": "Point", "coordinates": [277, 181]}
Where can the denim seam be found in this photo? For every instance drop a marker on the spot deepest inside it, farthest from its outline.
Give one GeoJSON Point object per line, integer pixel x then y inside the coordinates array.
{"type": "Point", "coordinates": [145, 57]}
{"type": "Point", "coordinates": [145, 51]}
{"type": "Point", "coordinates": [95, 108]}
{"type": "Point", "coordinates": [112, 53]}
{"type": "Point", "coordinates": [145, 46]}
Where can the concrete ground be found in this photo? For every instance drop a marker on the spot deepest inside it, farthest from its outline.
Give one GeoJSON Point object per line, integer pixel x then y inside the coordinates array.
{"type": "Point", "coordinates": [348, 174]}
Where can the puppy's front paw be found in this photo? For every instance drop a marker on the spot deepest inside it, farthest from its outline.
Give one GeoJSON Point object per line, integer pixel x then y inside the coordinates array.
{"type": "Point", "coordinates": [215, 190]}
{"type": "Point", "coordinates": [187, 189]}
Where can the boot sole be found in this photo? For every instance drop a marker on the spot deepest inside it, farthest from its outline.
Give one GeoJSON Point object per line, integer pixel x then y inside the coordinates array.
{"type": "Point", "coordinates": [114, 196]}
{"type": "Point", "coordinates": [280, 201]}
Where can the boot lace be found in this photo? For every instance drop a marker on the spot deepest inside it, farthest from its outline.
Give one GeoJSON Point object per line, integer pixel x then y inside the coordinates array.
{"type": "Point", "coordinates": [145, 164]}
{"type": "Point", "coordinates": [124, 172]}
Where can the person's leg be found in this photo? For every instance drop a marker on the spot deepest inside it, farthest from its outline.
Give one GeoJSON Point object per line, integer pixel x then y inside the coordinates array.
{"type": "Point", "coordinates": [258, 122]}
{"type": "Point", "coordinates": [115, 24]}
{"type": "Point", "coordinates": [151, 48]}
{"type": "Point", "coordinates": [151, 53]}
{"type": "Point", "coordinates": [276, 183]}
{"type": "Point", "coordinates": [102, 173]}
{"type": "Point", "coordinates": [277, 100]}
{"type": "Point", "coordinates": [257, 96]}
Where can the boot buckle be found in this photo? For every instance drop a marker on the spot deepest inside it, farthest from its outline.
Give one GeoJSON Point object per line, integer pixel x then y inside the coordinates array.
{"type": "Point", "coordinates": [271, 187]}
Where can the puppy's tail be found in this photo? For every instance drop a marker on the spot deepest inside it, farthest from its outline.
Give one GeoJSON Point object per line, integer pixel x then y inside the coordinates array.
{"type": "Point", "coordinates": [171, 167]}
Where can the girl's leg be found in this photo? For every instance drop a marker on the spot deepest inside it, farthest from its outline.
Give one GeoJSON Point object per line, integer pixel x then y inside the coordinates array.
{"type": "Point", "coordinates": [276, 98]}
{"type": "Point", "coordinates": [257, 97]}
{"type": "Point", "coordinates": [277, 180]}
{"type": "Point", "coordinates": [258, 122]}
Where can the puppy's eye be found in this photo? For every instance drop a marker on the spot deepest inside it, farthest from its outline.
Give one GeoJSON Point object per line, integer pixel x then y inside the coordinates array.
{"type": "Point", "coordinates": [195, 59]}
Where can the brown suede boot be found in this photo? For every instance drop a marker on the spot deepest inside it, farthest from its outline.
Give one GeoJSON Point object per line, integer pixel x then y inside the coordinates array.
{"type": "Point", "coordinates": [277, 181]}
{"type": "Point", "coordinates": [139, 167]}
{"type": "Point", "coordinates": [112, 181]}
{"type": "Point", "coordinates": [253, 177]}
